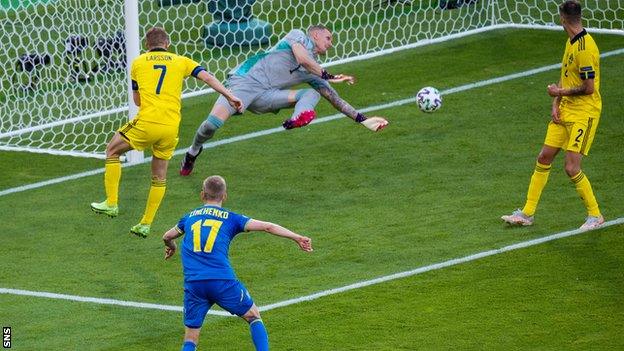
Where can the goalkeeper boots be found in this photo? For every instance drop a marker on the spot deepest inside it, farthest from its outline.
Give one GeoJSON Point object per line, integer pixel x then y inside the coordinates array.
{"type": "Point", "coordinates": [303, 119]}
{"type": "Point", "coordinates": [188, 162]}
{"type": "Point", "coordinates": [141, 230]}
{"type": "Point", "coordinates": [518, 218]}
{"type": "Point", "coordinates": [104, 208]}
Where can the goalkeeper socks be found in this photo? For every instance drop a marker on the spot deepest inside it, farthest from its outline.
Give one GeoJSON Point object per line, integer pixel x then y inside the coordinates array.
{"type": "Point", "coordinates": [112, 175]}
{"type": "Point", "coordinates": [306, 100]}
{"type": "Point", "coordinates": [156, 194]}
{"type": "Point", "coordinates": [259, 335]}
{"type": "Point", "coordinates": [205, 131]}
{"type": "Point", "coordinates": [584, 189]}
{"type": "Point", "coordinates": [188, 346]}
{"type": "Point", "coordinates": [538, 182]}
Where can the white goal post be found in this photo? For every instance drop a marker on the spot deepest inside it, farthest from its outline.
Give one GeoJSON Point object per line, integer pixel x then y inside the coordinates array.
{"type": "Point", "coordinates": [65, 84]}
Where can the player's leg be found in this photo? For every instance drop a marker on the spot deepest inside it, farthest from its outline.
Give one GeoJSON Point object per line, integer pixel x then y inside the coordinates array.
{"type": "Point", "coordinates": [580, 142]}
{"type": "Point", "coordinates": [556, 135]}
{"type": "Point", "coordinates": [196, 305]}
{"type": "Point", "coordinates": [258, 332]}
{"type": "Point", "coordinates": [163, 146]}
{"type": "Point", "coordinates": [305, 100]}
{"type": "Point", "coordinates": [221, 112]}
{"type": "Point", "coordinates": [191, 339]}
{"type": "Point", "coordinates": [112, 175]}
{"type": "Point", "coordinates": [157, 190]}
{"type": "Point", "coordinates": [539, 178]}
{"type": "Point", "coordinates": [234, 298]}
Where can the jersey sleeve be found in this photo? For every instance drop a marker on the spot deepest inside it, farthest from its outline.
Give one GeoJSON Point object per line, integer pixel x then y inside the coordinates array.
{"type": "Point", "coordinates": [295, 36]}
{"type": "Point", "coordinates": [241, 222]}
{"type": "Point", "coordinates": [192, 68]}
{"type": "Point", "coordinates": [181, 224]}
{"type": "Point", "coordinates": [133, 76]}
{"type": "Point", "coordinates": [587, 65]}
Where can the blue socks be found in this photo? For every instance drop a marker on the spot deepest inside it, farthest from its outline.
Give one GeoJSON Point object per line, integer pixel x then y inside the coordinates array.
{"type": "Point", "coordinates": [259, 335]}
{"type": "Point", "coordinates": [188, 346]}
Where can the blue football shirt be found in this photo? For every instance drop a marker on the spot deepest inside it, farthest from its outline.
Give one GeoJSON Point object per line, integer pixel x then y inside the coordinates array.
{"type": "Point", "coordinates": [208, 231]}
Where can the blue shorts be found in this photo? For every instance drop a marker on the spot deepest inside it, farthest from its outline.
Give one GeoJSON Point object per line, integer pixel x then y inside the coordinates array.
{"type": "Point", "coordinates": [200, 295]}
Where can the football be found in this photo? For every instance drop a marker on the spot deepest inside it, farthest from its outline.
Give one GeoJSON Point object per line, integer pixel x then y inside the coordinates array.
{"type": "Point", "coordinates": [429, 99]}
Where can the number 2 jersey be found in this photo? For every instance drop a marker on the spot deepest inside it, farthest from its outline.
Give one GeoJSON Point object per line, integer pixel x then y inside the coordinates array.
{"type": "Point", "coordinates": [158, 76]}
{"type": "Point", "coordinates": [581, 61]}
{"type": "Point", "coordinates": [208, 231]}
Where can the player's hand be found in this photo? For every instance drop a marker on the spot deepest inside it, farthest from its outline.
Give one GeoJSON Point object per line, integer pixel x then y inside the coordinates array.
{"type": "Point", "coordinates": [375, 123]}
{"type": "Point", "coordinates": [304, 243]}
{"type": "Point", "coordinates": [554, 90]}
{"type": "Point", "coordinates": [236, 103]}
{"type": "Point", "coordinates": [339, 78]}
{"type": "Point", "coordinates": [169, 251]}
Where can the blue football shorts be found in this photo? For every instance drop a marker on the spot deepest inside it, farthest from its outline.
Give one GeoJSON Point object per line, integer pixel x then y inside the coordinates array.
{"type": "Point", "coordinates": [200, 295]}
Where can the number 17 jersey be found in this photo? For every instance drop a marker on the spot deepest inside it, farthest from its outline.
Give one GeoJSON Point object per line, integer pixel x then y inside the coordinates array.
{"type": "Point", "coordinates": [208, 231]}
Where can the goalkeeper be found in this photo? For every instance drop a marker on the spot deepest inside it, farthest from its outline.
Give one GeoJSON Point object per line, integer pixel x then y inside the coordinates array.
{"type": "Point", "coordinates": [263, 84]}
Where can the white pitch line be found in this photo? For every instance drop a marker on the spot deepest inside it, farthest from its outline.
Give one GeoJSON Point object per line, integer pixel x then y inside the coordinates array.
{"type": "Point", "coordinates": [101, 301]}
{"type": "Point", "coordinates": [435, 266]}
{"type": "Point", "coordinates": [318, 295]}
{"type": "Point", "coordinates": [319, 120]}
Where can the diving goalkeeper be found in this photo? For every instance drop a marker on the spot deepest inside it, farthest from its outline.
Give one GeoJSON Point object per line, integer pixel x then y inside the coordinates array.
{"type": "Point", "coordinates": [263, 84]}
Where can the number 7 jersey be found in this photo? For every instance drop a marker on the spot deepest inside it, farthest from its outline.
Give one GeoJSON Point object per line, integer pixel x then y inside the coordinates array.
{"type": "Point", "coordinates": [208, 231]}
{"type": "Point", "coordinates": [158, 76]}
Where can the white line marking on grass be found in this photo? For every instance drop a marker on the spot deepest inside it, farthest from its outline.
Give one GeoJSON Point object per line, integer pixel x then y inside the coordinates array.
{"type": "Point", "coordinates": [101, 301]}
{"type": "Point", "coordinates": [324, 293]}
{"type": "Point", "coordinates": [319, 120]}
{"type": "Point", "coordinates": [435, 266]}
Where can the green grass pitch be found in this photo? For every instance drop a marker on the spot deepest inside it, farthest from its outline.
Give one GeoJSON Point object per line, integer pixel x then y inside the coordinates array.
{"type": "Point", "coordinates": [427, 189]}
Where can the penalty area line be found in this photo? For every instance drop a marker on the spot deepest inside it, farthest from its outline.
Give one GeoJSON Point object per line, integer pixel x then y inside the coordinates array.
{"type": "Point", "coordinates": [324, 293]}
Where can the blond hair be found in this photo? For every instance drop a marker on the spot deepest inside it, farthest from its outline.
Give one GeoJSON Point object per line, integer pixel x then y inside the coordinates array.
{"type": "Point", "coordinates": [214, 188]}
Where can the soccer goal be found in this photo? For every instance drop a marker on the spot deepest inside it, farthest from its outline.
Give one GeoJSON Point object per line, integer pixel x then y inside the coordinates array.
{"type": "Point", "coordinates": [65, 84]}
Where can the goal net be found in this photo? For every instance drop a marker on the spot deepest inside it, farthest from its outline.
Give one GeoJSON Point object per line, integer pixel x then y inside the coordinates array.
{"type": "Point", "coordinates": [64, 89]}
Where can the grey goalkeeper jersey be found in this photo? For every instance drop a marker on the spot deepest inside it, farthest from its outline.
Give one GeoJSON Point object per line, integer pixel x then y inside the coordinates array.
{"type": "Point", "coordinates": [278, 67]}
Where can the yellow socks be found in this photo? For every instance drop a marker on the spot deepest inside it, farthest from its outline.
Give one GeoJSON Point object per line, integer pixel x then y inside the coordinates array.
{"type": "Point", "coordinates": [112, 174]}
{"type": "Point", "coordinates": [538, 182]}
{"type": "Point", "coordinates": [156, 194]}
{"type": "Point", "coordinates": [584, 189]}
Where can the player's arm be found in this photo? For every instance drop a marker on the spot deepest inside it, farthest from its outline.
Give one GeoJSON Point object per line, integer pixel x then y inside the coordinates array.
{"type": "Point", "coordinates": [373, 123]}
{"type": "Point", "coordinates": [554, 111]}
{"type": "Point", "coordinates": [586, 88]}
{"type": "Point", "coordinates": [215, 84]}
{"type": "Point", "coordinates": [304, 59]}
{"type": "Point", "coordinates": [309, 63]}
{"type": "Point", "coordinates": [304, 242]}
{"type": "Point", "coordinates": [168, 238]}
{"type": "Point", "coordinates": [137, 98]}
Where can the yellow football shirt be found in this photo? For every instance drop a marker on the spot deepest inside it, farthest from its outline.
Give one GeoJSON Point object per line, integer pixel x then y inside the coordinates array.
{"type": "Point", "coordinates": [158, 76]}
{"type": "Point", "coordinates": [581, 61]}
